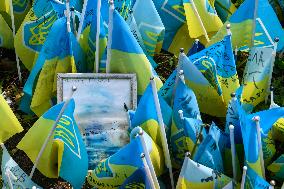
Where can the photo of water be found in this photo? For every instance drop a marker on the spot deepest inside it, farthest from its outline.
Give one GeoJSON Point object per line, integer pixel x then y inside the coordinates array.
{"type": "Point", "coordinates": [100, 114]}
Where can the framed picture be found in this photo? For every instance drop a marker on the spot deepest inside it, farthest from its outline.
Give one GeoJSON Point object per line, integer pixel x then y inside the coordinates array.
{"type": "Point", "coordinates": [100, 101]}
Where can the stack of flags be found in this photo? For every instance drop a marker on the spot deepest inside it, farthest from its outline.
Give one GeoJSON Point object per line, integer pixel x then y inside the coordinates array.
{"type": "Point", "coordinates": [124, 37]}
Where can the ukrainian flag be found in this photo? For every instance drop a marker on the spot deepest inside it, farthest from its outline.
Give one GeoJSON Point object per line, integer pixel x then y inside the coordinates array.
{"type": "Point", "coordinates": [128, 57]}
{"type": "Point", "coordinates": [249, 133]}
{"type": "Point", "coordinates": [254, 181]}
{"type": "Point", "coordinates": [9, 123]}
{"type": "Point", "coordinates": [150, 25]}
{"type": "Point", "coordinates": [34, 30]}
{"type": "Point", "coordinates": [212, 75]}
{"type": "Point", "coordinates": [6, 35]}
{"type": "Point", "coordinates": [146, 115]}
{"type": "Point", "coordinates": [241, 26]}
{"type": "Point", "coordinates": [41, 86]}
{"type": "Point", "coordinates": [20, 9]}
{"type": "Point", "coordinates": [210, 151]}
{"type": "Point", "coordinates": [65, 155]}
{"type": "Point", "coordinates": [225, 8]}
{"type": "Point", "coordinates": [118, 168]}
{"type": "Point", "coordinates": [211, 22]}
{"type": "Point", "coordinates": [184, 100]}
{"type": "Point", "coordinates": [277, 168]}
{"type": "Point", "coordinates": [195, 176]}
{"type": "Point", "coordinates": [257, 77]}
{"type": "Point", "coordinates": [176, 30]}
{"type": "Point", "coordinates": [22, 178]}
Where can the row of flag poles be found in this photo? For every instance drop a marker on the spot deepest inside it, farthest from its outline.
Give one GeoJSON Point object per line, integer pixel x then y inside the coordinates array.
{"type": "Point", "coordinates": [167, 122]}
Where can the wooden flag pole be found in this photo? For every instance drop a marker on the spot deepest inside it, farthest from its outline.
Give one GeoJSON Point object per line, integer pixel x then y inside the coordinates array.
{"type": "Point", "coordinates": [244, 177]}
{"type": "Point", "coordinates": [233, 152]}
{"type": "Point", "coordinates": [97, 55]}
{"type": "Point", "coordinates": [162, 131]}
{"type": "Point", "coordinates": [110, 30]}
{"type": "Point", "coordinates": [256, 119]}
{"type": "Point", "coordinates": [51, 132]}
{"type": "Point", "coordinates": [147, 171]}
{"type": "Point", "coordinates": [200, 20]}
{"type": "Point", "coordinates": [14, 34]}
{"type": "Point", "coordinates": [81, 22]}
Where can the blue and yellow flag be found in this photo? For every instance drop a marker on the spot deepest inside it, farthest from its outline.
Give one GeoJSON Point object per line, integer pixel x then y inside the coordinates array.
{"type": "Point", "coordinates": [184, 100]}
{"type": "Point", "coordinates": [65, 155]}
{"type": "Point", "coordinates": [208, 15]}
{"type": "Point", "coordinates": [277, 168]}
{"type": "Point", "coordinates": [196, 47]}
{"type": "Point", "coordinates": [212, 75]}
{"type": "Point", "coordinates": [256, 77]}
{"type": "Point", "coordinates": [120, 167]}
{"type": "Point", "coordinates": [176, 30]}
{"type": "Point", "coordinates": [34, 29]}
{"type": "Point", "coordinates": [267, 28]}
{"type": "Point", "coordinates": [146, 115]}
{"type": "Point", "coordinates": [249, 133]}
{"type": "Point", "coordinates": [128, 57]}
{"type": "Point", "coordinates": [209, 151]}
{"type": "Point", "coordinates": [20, 9]}
{"type": "Point", "coordinates": [9, 123]}
{"type": "Point", "coordinates": [138, 179]}
{"type": "Point", "coordinates": [225, 8]}
{"type": "Point", "coordinates": [241, 26]}
{"type": "Point", "coordinates": [41, 86]}
{"type": "Point", "coordinates": [195, 176]}
{"type": "Point", "coordinates": [149, 25]}
{"type": "Point", "coordinates": [6, 35]}
{"type": "Point", "coordinates": [20, 179]}
{"type": "Point", "coordinates": [166, 91]}
{"type": "Point", "coordinates": [254, 181]}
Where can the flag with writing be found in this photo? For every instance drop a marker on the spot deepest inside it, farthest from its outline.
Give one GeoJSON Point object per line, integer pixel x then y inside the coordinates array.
{"type": "Point", "coordinates": [194, 176]}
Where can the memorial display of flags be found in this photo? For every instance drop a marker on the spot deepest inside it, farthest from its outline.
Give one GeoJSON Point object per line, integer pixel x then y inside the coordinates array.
{"type": "Point", "coordinates": [196, 47]}
{"type": "Point", "coordinates": [65, 155]}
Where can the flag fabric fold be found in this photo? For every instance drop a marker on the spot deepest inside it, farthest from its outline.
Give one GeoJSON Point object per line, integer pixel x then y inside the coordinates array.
{"type": "Point", "coordinates": [9, 123]}
{"type": "Point", "coordinates": [65, 155]}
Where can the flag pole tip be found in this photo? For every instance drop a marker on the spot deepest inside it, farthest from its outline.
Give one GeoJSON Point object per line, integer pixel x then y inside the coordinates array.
{"type": "Point", "coordinates": [276, 39]}
{"type": "Point", "coordinates": [152, 78]}
{"type": "Point", "coordinates": [256, 118]}
{"type": "Point", "coordinates": [187, 154]}
{"type": "Point", "coordinates": [228, 26]}
{"type": "Point", "coordinates": [142, 155]}
{"type": "Point", "coordinates": [181, 72]}
{"type": "Point", "coordinates": [181, 50]}
{"type": "Point", "coordinates": [233, 95]}
{"type": "Point", "coordinates": [271, 88]}
{"type": "Point", "coordinates": [74, 88]}
{"type": "Point", "coordinates": [111, 2]}
{"type": "Point", "coordinates": [231, 127]}
{"type": "Point", "coordinates": [72, 9]}
{"type": "Point", "coordinates": [140, 132]}
{"type": "Point", "coordinates": [196, 40]}
{"type": "Point", "coordinates": [272, 183]}
{"type": "Point", "coordinates": [130, 11]}
{"type": "Point", "coordinates": [245, 168]}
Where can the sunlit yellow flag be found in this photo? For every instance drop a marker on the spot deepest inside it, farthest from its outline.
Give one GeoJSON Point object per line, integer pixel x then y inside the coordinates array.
{"type": "Point", "coordinates": [9, 124]}
{"type": "Point", "coordinates": [6, 35]}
